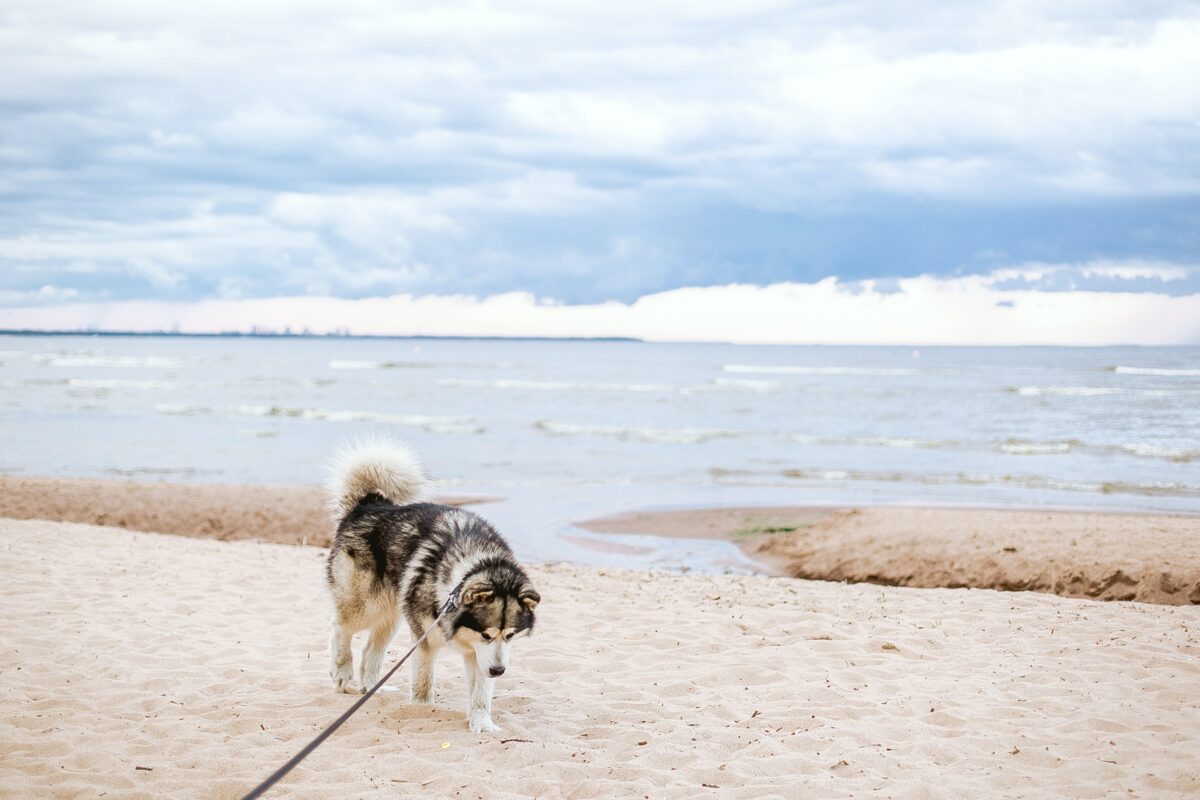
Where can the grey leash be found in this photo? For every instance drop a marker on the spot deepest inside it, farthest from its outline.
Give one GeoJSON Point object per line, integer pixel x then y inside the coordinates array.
{"type": "Point", "coordinates": [451, 603]}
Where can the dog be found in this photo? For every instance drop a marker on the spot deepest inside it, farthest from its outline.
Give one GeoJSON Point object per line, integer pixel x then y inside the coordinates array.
{"type": "Point", "coordinates": [393, 558]}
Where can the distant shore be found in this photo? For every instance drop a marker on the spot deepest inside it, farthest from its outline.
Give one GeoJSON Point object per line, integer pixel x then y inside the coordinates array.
{"type": "Point", "coordinates": [303, 334]}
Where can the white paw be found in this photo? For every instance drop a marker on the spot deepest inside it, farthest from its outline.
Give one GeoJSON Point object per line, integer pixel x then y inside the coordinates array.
{"type": "Point", "coordinates": [343, 679]}
{"type": "Point", "coordinates": [482, 724]}
{"type": "Point", "coordinates": [420, 699]}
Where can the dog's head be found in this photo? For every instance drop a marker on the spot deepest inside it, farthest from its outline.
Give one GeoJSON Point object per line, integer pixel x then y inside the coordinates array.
{"type": "Point", "coordinates": [497, 609]}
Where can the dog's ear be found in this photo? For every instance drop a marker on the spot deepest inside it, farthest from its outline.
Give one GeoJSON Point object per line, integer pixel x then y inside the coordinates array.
{"type": "Point", "coordinates": [529, 598]}
{"type": "Point", "coordinates": [477, 591]}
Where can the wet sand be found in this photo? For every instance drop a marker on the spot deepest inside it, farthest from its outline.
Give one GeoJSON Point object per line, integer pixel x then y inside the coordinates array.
{"type": "Point", "coordinates": [1144, 557]}
{"type": "Point", "coordinates": [283, 514]}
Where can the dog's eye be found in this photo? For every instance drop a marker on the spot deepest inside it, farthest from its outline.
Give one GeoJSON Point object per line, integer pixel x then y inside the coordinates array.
{"type": "Point", "coordinates": [485, 637]}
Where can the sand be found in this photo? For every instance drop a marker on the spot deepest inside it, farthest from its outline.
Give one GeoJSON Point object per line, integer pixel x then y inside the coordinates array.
{"type": "Point", "coordinates": [1107, 556]}
{"type": "Point", "coordinates": [286, 514]}
{"type": "Point", "coordinates": [139, 665]}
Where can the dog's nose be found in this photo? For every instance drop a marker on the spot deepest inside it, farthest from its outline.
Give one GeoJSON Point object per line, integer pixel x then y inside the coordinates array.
{"type": "Point", "coordinates": [496, 672]}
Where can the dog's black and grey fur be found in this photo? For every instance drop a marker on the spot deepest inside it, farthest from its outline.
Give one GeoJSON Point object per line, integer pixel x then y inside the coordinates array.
{"type": "Point", "coordinates": [394, 558]}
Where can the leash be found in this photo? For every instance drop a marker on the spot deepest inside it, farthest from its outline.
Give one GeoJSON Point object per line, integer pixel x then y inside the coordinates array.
{"type": "Point", "coordinates": [451, 603]}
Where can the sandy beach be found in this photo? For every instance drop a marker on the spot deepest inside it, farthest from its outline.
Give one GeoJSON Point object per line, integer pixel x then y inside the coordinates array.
{"type": "Point", "coordinates": [1151, 558]}
{"type": "Point", "coordinates": [145, 665]}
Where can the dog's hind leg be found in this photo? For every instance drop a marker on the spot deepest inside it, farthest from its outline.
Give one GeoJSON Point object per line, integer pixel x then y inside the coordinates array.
{"type": "Point", "coordinates": [479, 696]}
{"type": "Point", "coordinates": [372, 659]}
{"type": "Point", "coordinates": [421, 688]}
{"type": "Point", "coordinates": [345, 585]}
{"type": "Point", "coordinates": [341, 658]}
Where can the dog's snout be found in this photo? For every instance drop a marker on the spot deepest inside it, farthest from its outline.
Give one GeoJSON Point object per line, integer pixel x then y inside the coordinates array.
{"type": "Point", "coordinates": [496, 672]}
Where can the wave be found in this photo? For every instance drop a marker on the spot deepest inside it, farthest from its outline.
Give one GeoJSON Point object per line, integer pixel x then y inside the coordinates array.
{"type": "Point", "coordinates": [1070, 391]}
{"type": "Point", "coordinates": [876, 441]}
{"type": "Point", "coordinates": [788, 370]}
{"type": "Point", "coordinates": [639, 434]}
{"type": "Point", "coordinates": [1017, 447]}
{"type": "Point", "coordinates": [552, 386]}
{"type": "Point", "coordinates": [1175, 454]}
{"type": "Point", "coordinates": [1188, 373]}
{"type": "Point", "coordinates": [116, 383]}
{"type": "Point", "coordinates": [151, 362]}
{"type": "Point", "coordinates": [350, 363]}
{"type": "Point", "coordinates": [1098, 391]}
{"type": "Point", "coordinates": [1022, 447]}
{"type": "Point", "coordinates": [433, 424]}
{"type": "Point", "coordinates": [747, 384]}
{"type": "Point", "coordinates": [1161, 489]}
{"type": "Point", "coordinates": [182, 409]}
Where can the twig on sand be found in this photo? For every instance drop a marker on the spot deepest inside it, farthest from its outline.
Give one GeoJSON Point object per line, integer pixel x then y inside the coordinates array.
{"type": "Point", "coordinates": [506, 741]}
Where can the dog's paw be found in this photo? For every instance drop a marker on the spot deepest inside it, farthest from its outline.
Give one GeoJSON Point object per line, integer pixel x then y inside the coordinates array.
{"type": "Point", "coordinates": [344, 681]}
{"type": "Point", "coordinates": [482, 724]}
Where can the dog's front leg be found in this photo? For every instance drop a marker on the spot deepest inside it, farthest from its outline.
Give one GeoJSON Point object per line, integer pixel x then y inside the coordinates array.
{"type": "Point", "coordinates": [479, 696]}
{"type": "Point", "coordinates": [373, 653]}
{"type": "Point", "coordinates": [421, 687]}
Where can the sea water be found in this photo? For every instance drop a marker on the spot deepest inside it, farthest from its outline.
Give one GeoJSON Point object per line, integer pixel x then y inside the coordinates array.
{"type": "Point", "coordinates": [563, 430]}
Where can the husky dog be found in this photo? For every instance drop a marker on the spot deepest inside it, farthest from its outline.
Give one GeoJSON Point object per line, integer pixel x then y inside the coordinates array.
{"type": "Point", "coordinates": [393, 558]}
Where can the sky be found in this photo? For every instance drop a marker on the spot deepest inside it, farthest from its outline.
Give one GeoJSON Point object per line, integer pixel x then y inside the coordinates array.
{"type": "Point", "coordinates": [928, 172]}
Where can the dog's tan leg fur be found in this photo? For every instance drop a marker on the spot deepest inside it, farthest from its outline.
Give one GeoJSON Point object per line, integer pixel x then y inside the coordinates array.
{"type": "Point", "coordinates": [421, 688]}
{"type": "Point", "coordinates": [372, 658]}
{"type": "Point", "coordinates": [341, 658]}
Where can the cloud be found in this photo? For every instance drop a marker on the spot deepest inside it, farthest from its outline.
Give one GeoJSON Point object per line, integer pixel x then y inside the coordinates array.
{"type": "Point", "coordinates": [186, 152]}
{"type": "Point", "coordinates": [45, 295]}
{"type": "Point", "coordinates": [923, 310]}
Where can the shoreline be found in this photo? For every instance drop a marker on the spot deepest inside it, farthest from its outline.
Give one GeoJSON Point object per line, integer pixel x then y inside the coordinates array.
{"type": "Point", "coordinates": [281, 514]}
{"type": "Point", "coordinates": [1102, 555]}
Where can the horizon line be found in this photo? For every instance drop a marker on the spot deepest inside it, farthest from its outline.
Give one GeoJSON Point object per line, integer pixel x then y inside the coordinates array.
{"type": "Point", "coordinates": [469, 337]}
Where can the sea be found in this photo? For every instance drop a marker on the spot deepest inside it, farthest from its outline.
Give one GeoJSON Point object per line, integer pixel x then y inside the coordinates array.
{"type": "Point", "coordinates": [558, 431]}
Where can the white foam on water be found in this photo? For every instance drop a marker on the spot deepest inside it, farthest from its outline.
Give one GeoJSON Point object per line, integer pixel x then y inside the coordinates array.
{"type": "Point", "coordinates": [1189, 373]}
{"type": "Point", "coordinates": [351, 363]}
{"type": "Point", "coordinates": [641, 434]}
{"type": "Point", "coordinates": [747, 384]}
{"type": "Point", "coordinates": [551, 386]}
{"type": "Point", "coordinates": [181, 409]}
{"type": "Point", "coordinates": [907, 443]}
{"type": "Point", "coordinates": [1178, 455]}
{"type": "Point", "coordinates": [116, 383]}
{"type": "Point", "coordinates": [1020, 448]}
{"type": "Point", "coordinates": [1099, 391]}
{"type": "Point", "coordinates": [432, 423]}
{"type": "Point", "coordinates": [1069, 391]}
{"type": "Point", "coordinates": [146, 362]}
{"type": "Point", "coordinates": [767, 369]}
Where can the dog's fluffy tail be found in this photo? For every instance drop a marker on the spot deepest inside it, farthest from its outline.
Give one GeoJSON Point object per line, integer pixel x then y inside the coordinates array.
{"type": "Point", "coordinates": [378, 465]}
